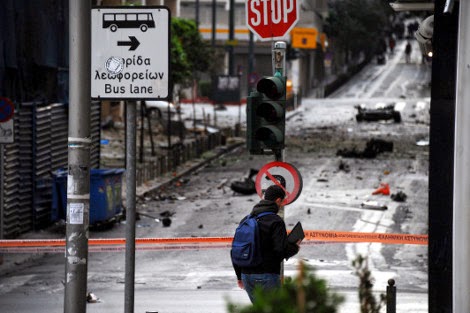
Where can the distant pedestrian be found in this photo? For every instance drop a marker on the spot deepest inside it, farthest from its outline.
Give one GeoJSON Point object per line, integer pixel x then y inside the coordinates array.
{"type": "Point", "coordinates": [408, 52]}
{"type": "Point", "coordinates": [273, 243]}
{"type": "Point", "coordinates": [391, 44]}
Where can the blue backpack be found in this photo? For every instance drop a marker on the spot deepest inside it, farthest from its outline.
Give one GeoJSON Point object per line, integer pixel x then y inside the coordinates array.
{"type": "Point", "coordinates": [246, 250]}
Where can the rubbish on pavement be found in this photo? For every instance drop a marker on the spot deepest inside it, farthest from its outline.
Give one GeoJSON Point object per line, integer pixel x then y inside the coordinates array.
{"type": "Point", "coordinates": [399, 196]}
{"type": "Point", "coordinates": [343, 166]}
{"type": "Point", "coordinates": [167, 214]}
{"type": "Point", "coordinates": [92, 298]}
{"type": "Point", "coordinates": [374, 205]}
{"type": "Point", "coordinates": [166, 222]}
{"type": "Point", "coordinates": [384, 189]}
{"type": "Point", "coordinates": [247, 185]}
{"type": "Point", "coordinates": [372, 149]}
{"type": "Point", "coordinates": [422, 143]}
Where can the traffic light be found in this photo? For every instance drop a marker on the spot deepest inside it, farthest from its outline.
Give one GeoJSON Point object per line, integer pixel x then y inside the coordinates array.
{"type": "Point", "coordinates": [266, 115]}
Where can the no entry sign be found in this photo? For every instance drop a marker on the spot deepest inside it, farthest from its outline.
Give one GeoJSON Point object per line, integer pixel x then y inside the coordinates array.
{"type": "Point", "coordinates": [271, 19]}
{"type": "Point", "coordinates": [7, 109]}
{"type": "Point", "coordinates": [282, 174]}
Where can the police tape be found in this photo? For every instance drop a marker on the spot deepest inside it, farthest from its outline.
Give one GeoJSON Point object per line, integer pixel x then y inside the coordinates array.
{"type": "Point", "coordinates": [200, 243]}
{"type": "Point", "coordinates": [334, 236]}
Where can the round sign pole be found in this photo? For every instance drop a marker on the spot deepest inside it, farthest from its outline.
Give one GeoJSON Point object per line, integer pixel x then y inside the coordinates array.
{"type": "Point", "coordinates": [284, 175]}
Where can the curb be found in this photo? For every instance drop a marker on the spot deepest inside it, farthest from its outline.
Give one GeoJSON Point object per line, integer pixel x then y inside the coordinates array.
{"type": "Point", "coordinates": [198, 165]}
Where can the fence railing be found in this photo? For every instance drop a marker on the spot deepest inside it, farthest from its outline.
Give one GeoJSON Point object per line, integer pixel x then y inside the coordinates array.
{"type": "Point", "coordinates": [156, 166]}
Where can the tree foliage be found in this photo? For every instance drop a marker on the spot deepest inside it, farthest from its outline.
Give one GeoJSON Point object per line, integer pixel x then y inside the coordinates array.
{"type": "Point", "coordinates": [367, 300]}
{"type": "Point", "coordinates": [304, 294]}
{"type": "Point", "coordinates": [189, 53]}
{"type": "Point", "coordinates": [357, 25]}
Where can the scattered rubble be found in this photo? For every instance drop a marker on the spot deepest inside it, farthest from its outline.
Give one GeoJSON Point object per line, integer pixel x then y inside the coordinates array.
{"type": "Point", "coordinates": [372, 149]}
{"type": "Point", "coordinates": [247, 185]}
{"type": "Point", "coordinates": [343, 166]}
{"type": "Point", "coordinates": [374, 205]}
{"type": "Point", "coordinates": [399, 196]}
{"type": "Point", "coordinates": [92, 298]}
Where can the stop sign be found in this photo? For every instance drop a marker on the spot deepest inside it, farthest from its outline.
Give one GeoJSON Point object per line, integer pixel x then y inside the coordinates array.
{"type": "Point", "coordinates": [271, 19]}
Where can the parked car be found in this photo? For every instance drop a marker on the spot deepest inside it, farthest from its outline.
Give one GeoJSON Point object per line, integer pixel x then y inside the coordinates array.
{"type": "Point", "coordinates": [164, 112]}
{"type": "Point", "coordinates": [159, 109]}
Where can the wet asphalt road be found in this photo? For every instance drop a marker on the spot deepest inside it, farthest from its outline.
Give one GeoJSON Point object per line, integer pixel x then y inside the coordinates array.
{"type": "Point", "coordinates": [202, 204]}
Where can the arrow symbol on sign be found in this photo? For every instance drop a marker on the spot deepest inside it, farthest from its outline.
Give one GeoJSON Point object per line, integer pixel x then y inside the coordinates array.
{"type": "Point", "coordinates": [133, 44]}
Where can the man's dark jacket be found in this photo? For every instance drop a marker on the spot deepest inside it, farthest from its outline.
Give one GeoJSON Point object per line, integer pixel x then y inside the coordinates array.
{"type": "Point", "coordinates": [273, 239]}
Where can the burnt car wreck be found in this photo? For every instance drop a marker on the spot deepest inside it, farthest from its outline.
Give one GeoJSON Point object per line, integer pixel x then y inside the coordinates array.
{"type": "Point", "coordinates": [372, 115]}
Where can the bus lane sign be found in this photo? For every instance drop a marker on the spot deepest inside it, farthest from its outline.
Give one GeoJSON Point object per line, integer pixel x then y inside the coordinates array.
{"type": "Point", "coordinates": [130, 57]}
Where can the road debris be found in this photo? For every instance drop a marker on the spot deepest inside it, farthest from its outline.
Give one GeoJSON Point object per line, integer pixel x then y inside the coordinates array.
{"type": "Point", "coordinates": [374, 205]}
{"type": "Point", "coordinates": [247, 185]}
{"type": "Point", "coordinates": [399, 196]}
{"type": "Point", "coordinates": [372, 149]}
{"type": "Point", "coordinates": [92, 298]}
{"type": "Point", "coordinates": [384, 189]}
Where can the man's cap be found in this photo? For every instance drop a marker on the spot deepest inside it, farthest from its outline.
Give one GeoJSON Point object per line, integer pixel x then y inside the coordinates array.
{"type": "Point", "coordinates": [273, 192]}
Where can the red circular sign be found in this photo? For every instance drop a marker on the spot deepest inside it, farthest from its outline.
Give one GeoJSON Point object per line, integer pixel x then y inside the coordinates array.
{"type": "Point", "coordinates": [282, 174]}
{"type": "Point", "coordinates": [7, 109]}
{"type": "Point", "coordinates": [271, 19]}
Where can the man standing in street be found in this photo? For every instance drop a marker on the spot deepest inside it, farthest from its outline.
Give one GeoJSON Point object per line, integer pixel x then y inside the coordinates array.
{"type": "Point", "coordinates": [408, 52]}
{"type": "Point", "coordinates": [273, 243]}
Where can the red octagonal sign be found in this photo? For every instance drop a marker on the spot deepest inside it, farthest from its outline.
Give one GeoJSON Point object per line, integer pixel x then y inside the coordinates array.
{"type": "Point", "coordinates": [271, 19]}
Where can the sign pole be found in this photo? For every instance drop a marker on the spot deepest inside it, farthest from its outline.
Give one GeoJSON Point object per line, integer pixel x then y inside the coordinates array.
{"type": "Point", "coordinates": [130, 205]}
{"type": "Point", "coordinates": [79, 143]}
{"type": "Point", "coordinates": [2, 174]}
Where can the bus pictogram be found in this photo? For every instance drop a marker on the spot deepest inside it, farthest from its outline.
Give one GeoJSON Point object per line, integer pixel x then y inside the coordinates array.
{"type": "Point", "coordinates": [113, 21]}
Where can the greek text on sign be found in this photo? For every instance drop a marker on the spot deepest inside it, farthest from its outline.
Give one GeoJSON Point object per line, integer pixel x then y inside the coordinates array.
{"type": "Point", "coordinates": [130, 53]}
{"type": "Point", "coordinates": [271, 19]}
{"type": "Point", "coordinates": [282, 174]}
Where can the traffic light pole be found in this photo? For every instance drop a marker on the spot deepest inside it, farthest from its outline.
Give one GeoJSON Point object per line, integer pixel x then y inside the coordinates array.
{"type": "Point", "coordinates": [279, 66]}
{"type": "Point", "coordinates": [266, 110]}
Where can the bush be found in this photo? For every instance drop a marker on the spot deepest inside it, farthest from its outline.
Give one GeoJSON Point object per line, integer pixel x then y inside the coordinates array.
{"type": "Point", "coordinates": [366, 298]}
{"type": "Point", "coordinates": [304, 294]}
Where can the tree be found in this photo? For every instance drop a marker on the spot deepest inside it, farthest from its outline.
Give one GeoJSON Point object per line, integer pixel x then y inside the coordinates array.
{"type": "Point", "coordinates": [189, 53]}
{"type": "Point", "coordinates": [357, 25]}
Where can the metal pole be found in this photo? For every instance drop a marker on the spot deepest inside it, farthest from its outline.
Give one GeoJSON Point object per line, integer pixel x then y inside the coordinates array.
{"type": "Point", "coordinates": [391, 297]}
{"type": "Point", "coordinates": [214, 18]}
{"type": "Point", "coordinates": [251, 60]}
{"type": "Point", "coordinates": [461, 216]}
{"type": "Point", "coordinates": [231, 38]}
{"type": "Point", "coordinates": [79, 143]}
{"type": "Point", "coordinates": [2, 179]}
{"type": "Point", "coordinates": [197, 15]}
{"type": "Point", "coordinates": [130, 205]}
{"type": "Point", "coordinates": [142, 130]}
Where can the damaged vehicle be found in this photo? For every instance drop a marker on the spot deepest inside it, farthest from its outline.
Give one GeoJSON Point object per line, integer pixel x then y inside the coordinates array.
{"type": "Point", "coordinates": [372, 115]}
